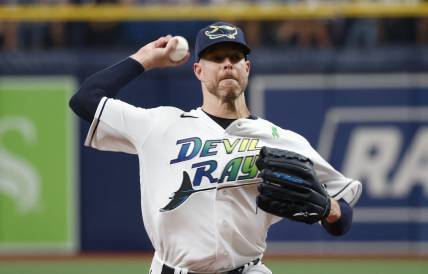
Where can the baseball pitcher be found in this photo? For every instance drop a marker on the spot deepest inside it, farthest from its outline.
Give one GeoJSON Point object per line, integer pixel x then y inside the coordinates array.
{"type": "Point", "coordinates": [222, 176]}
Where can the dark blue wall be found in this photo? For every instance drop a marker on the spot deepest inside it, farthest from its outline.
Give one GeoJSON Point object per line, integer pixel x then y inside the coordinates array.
{"type": "Point", "coordinates": [305, 110]}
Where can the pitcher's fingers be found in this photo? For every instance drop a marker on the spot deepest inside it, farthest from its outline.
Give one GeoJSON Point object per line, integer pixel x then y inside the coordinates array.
{"type": "Point", "coordinates": [157, 42]}
{"type": "Point", "coordinates": [165, 40]}
{"type": "Point", "coordinates": [162, 42]}
{"type": "Point", "coordinates": [172, 44]}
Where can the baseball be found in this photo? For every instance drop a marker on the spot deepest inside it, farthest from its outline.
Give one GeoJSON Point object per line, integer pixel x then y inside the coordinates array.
{"type": "Point", "coordinates": [181, 50]}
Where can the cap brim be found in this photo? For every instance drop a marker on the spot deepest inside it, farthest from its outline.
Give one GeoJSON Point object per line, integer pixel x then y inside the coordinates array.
{"type": "Point", "coordinates": [244, 47]}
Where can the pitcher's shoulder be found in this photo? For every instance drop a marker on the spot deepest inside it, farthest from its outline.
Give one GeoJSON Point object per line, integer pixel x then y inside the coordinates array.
{"type": "Point", "coordinates": [169, 111]}
{"type": "Point", "coordinates": [287, 133]}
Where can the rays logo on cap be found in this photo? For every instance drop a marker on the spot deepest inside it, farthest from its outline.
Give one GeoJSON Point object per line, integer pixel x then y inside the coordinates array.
{"type": "Point", "coordinates": [221, 31]}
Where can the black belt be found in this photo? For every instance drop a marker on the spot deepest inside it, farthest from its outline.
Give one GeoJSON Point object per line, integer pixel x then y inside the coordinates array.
{"type": "Point", "coordinates": [168, 270]}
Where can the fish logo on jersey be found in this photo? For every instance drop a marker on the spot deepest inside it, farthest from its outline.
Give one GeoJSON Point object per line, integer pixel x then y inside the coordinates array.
{"type": "Point", "coordinates": [186, 189]}
{"type": "Point", "coordinates": [221, 31]}
{"type": "Point", "coordinates": [180, 196]}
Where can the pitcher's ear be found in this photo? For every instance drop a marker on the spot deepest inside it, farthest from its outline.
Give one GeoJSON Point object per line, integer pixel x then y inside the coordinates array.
{"type": "Point", "coordinates": [197, 70]}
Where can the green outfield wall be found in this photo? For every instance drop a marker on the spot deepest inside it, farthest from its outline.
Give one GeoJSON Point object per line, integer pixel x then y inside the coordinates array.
{"type": "Point", "coordinates": [37, 165]}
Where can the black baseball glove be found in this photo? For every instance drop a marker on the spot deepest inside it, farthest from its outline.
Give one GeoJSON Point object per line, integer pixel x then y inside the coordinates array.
{"type": "Point", "coordinates": [290, 187]}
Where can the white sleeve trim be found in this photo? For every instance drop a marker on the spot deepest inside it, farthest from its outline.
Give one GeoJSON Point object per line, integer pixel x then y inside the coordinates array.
{"type": "Point", "coordinates": [351, 192]}
{"type": "Point", "coordinates": [95, 121]}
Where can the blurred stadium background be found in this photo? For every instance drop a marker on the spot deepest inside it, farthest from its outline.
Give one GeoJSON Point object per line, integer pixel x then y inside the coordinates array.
{"type": "Point", "coordinates": [351, 76]}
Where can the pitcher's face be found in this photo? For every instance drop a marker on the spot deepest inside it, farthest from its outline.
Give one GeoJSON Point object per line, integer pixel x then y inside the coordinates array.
{"type": "Point", "coordinates": [223, 70]}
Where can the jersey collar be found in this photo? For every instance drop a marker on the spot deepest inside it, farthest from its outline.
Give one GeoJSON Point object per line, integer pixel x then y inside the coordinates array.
{"type": "Point", "coordinates": [199, 113]}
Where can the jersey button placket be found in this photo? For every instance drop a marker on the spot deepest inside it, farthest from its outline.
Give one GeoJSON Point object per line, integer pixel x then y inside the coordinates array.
{"type": "Point", "coordinates": [223, 230]}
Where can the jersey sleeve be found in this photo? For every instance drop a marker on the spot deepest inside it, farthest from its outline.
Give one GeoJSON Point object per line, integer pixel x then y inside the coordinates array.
{"type": "Point", "coordinates": [119, 126]}
{"type": "Point", "coordinates": [337, 185]}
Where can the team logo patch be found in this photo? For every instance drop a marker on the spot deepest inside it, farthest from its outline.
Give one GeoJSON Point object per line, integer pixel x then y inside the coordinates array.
{"type": "Point", "coordinates": [221, 31]}
{"type": "Point", "coordinates": [275, 133]}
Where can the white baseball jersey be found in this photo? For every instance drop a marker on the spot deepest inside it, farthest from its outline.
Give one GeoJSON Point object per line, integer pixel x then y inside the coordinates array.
{"type": "Point", "coordinates": [198, 180]}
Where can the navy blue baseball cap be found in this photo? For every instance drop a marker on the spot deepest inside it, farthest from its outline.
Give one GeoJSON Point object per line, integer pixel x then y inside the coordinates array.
{"type": "Point", "coordinates": [216, 33]}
